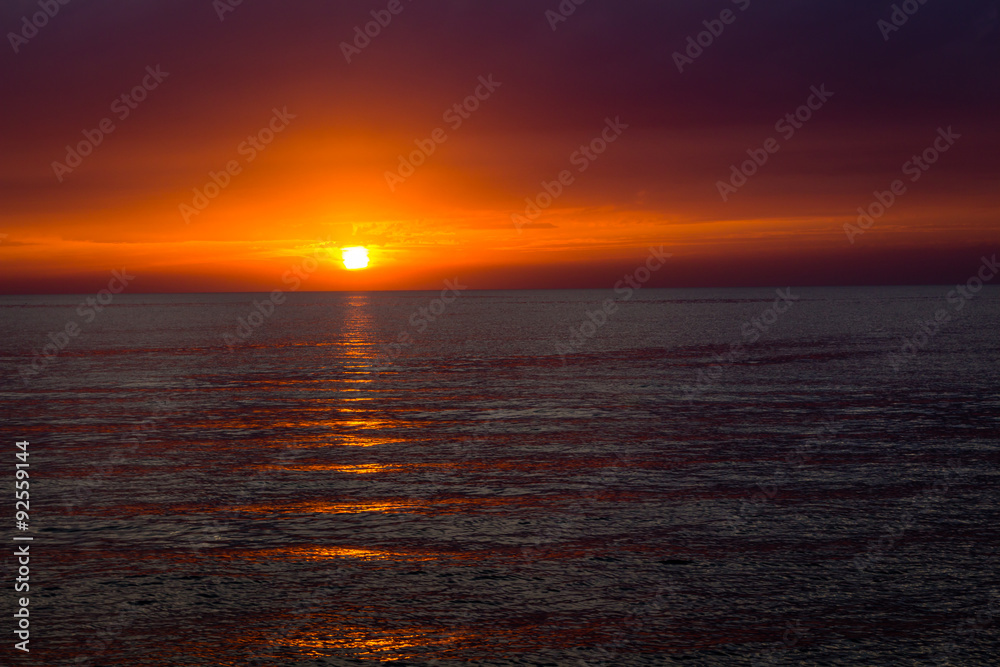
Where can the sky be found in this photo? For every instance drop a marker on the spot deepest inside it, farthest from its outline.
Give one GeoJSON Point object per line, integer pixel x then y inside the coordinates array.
{"type": "Point", "coordinates": [259, 138]}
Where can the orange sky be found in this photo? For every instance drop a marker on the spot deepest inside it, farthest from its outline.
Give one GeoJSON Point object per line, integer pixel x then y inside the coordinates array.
{"type": "Point", "coordinates": [320, 184]}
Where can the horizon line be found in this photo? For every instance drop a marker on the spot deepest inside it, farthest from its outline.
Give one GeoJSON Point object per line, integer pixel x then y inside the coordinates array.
{"type": "Point", "coordinates": [501, 289]}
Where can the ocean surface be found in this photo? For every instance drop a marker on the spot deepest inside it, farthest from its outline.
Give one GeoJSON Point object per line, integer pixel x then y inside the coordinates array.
{"type": "Point", "coordinates": [700, 477]}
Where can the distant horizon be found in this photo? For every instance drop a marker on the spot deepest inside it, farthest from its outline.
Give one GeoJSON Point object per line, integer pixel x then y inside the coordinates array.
{"type": "Point", "coordinates": [522, 289]}
{"type": "Point", "coordinates": [869, 268]}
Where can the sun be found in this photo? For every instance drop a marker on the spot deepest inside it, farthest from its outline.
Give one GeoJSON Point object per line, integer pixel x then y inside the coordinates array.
{"type": "Point", "coordinates": [355, 258]}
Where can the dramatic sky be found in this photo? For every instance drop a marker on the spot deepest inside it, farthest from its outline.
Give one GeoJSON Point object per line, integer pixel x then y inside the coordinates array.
{"type": "Point", "coordinates": [321, 183]}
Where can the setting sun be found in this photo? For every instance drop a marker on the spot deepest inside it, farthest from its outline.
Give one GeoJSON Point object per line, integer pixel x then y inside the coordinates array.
{"type": "Point", "coordinates": [355, 258]}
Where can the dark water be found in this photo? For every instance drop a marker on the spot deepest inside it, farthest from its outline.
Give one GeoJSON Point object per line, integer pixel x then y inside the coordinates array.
{"type": "Point", "coordinates": [654, 496]}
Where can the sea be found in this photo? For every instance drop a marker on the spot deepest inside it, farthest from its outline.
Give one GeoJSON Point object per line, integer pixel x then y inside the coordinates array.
{"type": "Point", "coordinates": [773, 476]}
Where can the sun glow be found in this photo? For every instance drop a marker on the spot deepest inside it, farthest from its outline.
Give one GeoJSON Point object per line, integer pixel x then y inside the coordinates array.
{"type": "Point", "coordinates": [355, 258]}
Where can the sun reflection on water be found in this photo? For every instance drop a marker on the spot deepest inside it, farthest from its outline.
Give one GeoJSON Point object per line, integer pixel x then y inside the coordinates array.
{"type": "Point", "coordinates": [360, 469]}
{"type": "Point", "coordinates": [381, 644]}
